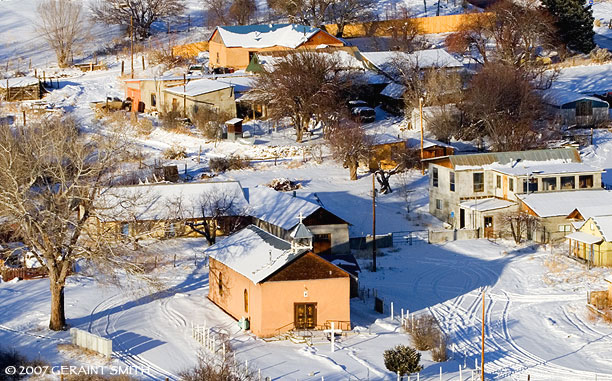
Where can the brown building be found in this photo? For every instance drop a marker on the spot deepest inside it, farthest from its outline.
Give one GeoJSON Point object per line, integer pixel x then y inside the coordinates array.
{"type": "Point", "coordinates": [234, 46]}
{"type": "Point", "coordinates": [277, 285]}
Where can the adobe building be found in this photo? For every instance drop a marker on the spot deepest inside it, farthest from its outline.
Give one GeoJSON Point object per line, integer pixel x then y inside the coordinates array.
{"type": "Point", "coordinates": [233, 47]}
{"type": "Point", "coordinates": [277, 285]}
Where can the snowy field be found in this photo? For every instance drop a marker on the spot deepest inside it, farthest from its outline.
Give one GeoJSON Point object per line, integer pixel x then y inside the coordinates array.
{"type": "Point", "coordinates": [537, 321]}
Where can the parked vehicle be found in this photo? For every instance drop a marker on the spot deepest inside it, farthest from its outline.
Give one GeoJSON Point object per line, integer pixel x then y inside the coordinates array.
{"type": "Point", "coordinates": [363, 114]}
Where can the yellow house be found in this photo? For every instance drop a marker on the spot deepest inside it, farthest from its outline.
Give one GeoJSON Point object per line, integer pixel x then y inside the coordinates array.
{"type": "Point", "coordinates": [276, 285]}
{"type": "Point", "coordinates": [593, 241]}
{"type": "Point", "coordinates": [233, 47]}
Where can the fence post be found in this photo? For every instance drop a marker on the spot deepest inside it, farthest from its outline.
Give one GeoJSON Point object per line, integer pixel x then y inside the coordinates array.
{"type": "Point", "coordinates": [440, 373]}
{"type": "Point", "coordinates": [391, 310]}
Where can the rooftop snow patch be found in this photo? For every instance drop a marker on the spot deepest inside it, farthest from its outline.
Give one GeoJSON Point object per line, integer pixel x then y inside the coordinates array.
{"type": "Point", "coordinates": [254, 253]}
{"type": "Point", "coordinates": [543, 168]}
{"type": "Point", "coordinates": [198, 87]}
{"type": "Point", "coordinates": [550, 204]}
{"type": "Point", "coordinates": [560, 97]}
{"type": "Point", "coordinates": [590, 79]}
{"type": "Point", "coordinates": [265, 36]}
{"type": "Point", "coordinates": [486, 204]}
{"type": "Point", "coordinates": [604, 223]}
{"type": "Point", "coordinates": [584, 237]}
{"type": "Point", "coordinates": [427, 143]}
{"type": "Point", "coordinates": [380, 139]}
{"type": "Point", "coordinates": [431, 58]}
{"type": "Point", "coordinates": [394, 90]}
{"type": "Point", "coordinates": [153, 202]}
{"type": "Point", "coordinates": [19, 82]}
{"type": "Point", "coordinates": [278, 208]}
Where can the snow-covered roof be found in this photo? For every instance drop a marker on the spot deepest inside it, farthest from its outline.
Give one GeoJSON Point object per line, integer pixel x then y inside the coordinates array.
{"type": "Point", "coordinates": [608, 278]}
{"type": "Point", "coordinates": [589, 79]}
{"type": "Point", "coordinates": [584, 237]}
{"type": "Point", "coordinates": [604, 223]}
{"type": "Point", "coordinates": [560, 97]}
{"type": "Point", "coordinates": [19, 82]}
{"type": "Point", "coordinates": [380, 139]}
{"type": "Point", "coordinates": [430, 58]}
{"type": "Point", "coordinates": [266, 35]}
{"type": "Point", "coordinates": [234, 121]}
{"type": "Point", "coordinates": [485, 204]}
{"type": "Point", "coordinates": [543, 168]}
{"type": "Point", "coordinates": [198, 87]}
{"type": "Point", "coordinates": [151, 202]}
{"type": "Point", "coordinates": [394, 90]}
{"type": "Point", "coordinates": [344, 58]}
{"type": "Point", "coordinates": [240, 84]}
{"type": "Point", "coordinates": [587, 211]}
{"type": "Point", "coordinates": [278, 208]}
{"type": "Point", "coordinates": [427, 143]}
{"type": "Point", "coordinates": [254, 253]}
{"type": "Point", "coordinates": [549, 204]}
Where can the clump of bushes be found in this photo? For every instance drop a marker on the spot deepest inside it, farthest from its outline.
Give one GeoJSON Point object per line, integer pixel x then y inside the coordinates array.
{"type": "Point", "coordinates": [402, 360]}
{"type": "Point", "coordinates": [171, 119]}
{"type": "Point", "coordinates": [600, 55]}
{"type": "Point", "coordinates": [232, 162]}
{"type": "Point", "coordinates": [209, 122]}
{"type": "Point", "coordinates": [426, 335]}
{"type": "Point", "coordinates": [175, 153]}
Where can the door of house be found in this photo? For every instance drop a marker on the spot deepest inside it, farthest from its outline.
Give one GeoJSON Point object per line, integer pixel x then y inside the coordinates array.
{"type": "Point", "coordinates": [305, 315]}
{"type": "Point", "coordinates": [461, 218]}
{"type": "Point", "coordinates": [488, 227]}
{"type": "Point", "coordinates": [322, 243]}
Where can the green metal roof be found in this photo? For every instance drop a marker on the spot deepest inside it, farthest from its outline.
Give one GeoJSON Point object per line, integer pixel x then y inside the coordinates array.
{"type": "Point", "coordinates": [479, 159]}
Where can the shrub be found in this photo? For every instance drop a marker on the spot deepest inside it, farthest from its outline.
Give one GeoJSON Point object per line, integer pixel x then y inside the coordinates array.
{"type": "Point", "coordinates": [209, 122]}
{"type": "Point", "coordinates": [438, 353]}
{"type": "Point", "coordinates": [175, 153]}
{"type": "Point", "coordinates": [222, 164]}
{"type": "Point", "coordinates": [144, 126]}
{"type": "Point", "coordinates": [600, 55]}
{"type": "Point", "coordinates": [425, 333]}
{"type": "Point", "coordinates": [13, 358]}
{"type": "Point", "coordinates": [171, 119]}
{"type": "Point", "coordinates": [211, 369]}
{"type": "Point", "coordinates": [403, 360]}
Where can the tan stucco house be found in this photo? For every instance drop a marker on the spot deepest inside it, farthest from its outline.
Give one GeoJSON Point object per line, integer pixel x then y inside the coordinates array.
{"type": "Point", "coordinates": [233, 47]}
{"type": "Point", "coordinates": [278, 285]}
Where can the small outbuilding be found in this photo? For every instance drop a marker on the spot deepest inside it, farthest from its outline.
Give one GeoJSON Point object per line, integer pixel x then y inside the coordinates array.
{"type": "Point", "coordinates": [21, 89]}
{"type": "Point", "coordinates": [575, 109]}
{"type": "Point", "coordinates": [277, 285]}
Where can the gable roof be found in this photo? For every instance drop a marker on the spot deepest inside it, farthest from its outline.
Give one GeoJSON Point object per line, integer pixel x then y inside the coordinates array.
{"type": "Point", "coordinates": [254, 253]}
{"type": "Point", "coordinates": [152, 202]}
{"type": "Point", "coordinates": [604, 224]}
{"type": "Point", "coordinates": [278, 208]}
{"type": "Point", "coordinates": [587, 211]}
{"type": "Point", "coordinates": [549, 204]}
{"type": "Point", "coordinates": [266, 35]}
{"type": "Point", "coordinates": [568, 154]}
{"type": "Point", "coordinates": [560, 97]}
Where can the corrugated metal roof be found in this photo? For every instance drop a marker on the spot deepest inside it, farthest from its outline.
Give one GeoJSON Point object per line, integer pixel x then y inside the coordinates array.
{"type": "Point", "coordinates": [480, 159]}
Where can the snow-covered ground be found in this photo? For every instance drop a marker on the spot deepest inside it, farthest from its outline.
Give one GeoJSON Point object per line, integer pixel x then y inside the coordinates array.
{"type": "Point", "coordinates": [537, 321]}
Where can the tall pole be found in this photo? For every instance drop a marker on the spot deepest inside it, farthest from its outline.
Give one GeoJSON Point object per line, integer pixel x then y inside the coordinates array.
{"type": "Point", "coordinates": [373, 223]}
{"type": "Point", "coordinates": [421, 116]}
{"type": "Point", "coordinates": [132, 44]}
{"type": "Point", "coordinates": [482, 349]}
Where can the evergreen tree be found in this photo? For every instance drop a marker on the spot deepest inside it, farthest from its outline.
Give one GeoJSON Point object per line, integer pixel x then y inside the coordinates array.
{"type": "Point", "coordinates": [575, 23]}
{"type": "Point", "coordinates": [403, 360]}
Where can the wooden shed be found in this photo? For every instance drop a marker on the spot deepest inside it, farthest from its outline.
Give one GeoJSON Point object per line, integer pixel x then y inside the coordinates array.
{"type": "Point", "coordinates": [20, 89]}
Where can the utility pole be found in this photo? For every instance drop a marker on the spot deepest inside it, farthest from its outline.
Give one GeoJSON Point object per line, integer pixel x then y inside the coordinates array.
{"type": "Point", "coordinates": [421, 115]}
{"type": "Point", "coordinates": [132, 44]}
{"type": "Point", "coordinates": [482, 349]}
{"type": "Point", "coordinates": [373, 223]}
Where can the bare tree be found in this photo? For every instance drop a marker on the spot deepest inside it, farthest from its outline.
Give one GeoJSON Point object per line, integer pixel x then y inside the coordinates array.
{"type": "Point", "coordinates": [383, 176]}
{"type": "Point", "coordinates": [143, 13]}
{"type": "Point", "coordinates": [302, 86]}
{"type": "Point", "coordinates": [501, 104]}
{"type": "Point", "coordinates": [308, 12]}
{"type": "Point", "coordinates": [346, 12]}
{"type": "Point", "coordinates": [221, 210]}
{"type": "Point", "coordinates": [61, 24]}
{"type": "Point", "coordinates": [520, 224]}
{"type": "Point", "coordinates": [50, 177]}
{"type": "Point", "coordinates": [227, 12]}
{"type": "Point", "coordinates": [349, 144]}
{"type": "Point", "coordinates": [242, 11]}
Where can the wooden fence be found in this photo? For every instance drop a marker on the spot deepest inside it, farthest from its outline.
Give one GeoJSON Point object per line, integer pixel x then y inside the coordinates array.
{"type": "Point", "coordinates": [23, 273]}
{"type": "Point", "coordinates": [425, 25]}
